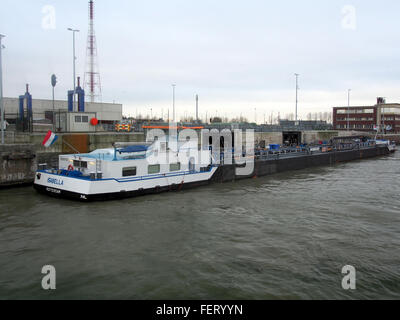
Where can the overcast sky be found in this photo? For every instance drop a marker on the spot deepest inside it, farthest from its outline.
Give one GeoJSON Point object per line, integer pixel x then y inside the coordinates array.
{"type": "Point", "coordinates": [237, 55]}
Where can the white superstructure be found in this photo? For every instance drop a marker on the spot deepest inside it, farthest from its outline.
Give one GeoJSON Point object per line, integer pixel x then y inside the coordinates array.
{"type": "Point", "coordinates": [127, 171]}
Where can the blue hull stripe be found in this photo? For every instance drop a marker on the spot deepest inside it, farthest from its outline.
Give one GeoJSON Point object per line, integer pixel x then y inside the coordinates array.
{"type": "Point", "coordinates": [122, 180]}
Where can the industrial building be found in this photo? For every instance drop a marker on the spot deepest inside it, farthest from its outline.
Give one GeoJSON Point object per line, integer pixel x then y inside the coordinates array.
{"type": "Point", "coordinates": [382, 116]}
{"type": "Point", "coordinates": [42, 114]}
{"type": "Point", "coordinates": [76, 114]}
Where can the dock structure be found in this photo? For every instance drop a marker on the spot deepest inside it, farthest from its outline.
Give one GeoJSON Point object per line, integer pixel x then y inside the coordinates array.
{"type": "Point", "coordinates": [18, 164]}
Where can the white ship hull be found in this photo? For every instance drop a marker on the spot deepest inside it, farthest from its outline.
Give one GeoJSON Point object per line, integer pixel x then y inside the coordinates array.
{"type": "Point", "coordinates": [104, 189]}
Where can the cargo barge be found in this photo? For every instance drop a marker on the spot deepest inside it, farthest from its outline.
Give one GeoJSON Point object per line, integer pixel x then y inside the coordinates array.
{"type": "Point", "coordinates": [129, 171]}
{"type": "Point", "coordinates": [289, 162]}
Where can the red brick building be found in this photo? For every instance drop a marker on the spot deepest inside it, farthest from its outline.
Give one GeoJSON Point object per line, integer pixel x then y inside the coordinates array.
{"type": "Point", "coordinates": [367, 118]}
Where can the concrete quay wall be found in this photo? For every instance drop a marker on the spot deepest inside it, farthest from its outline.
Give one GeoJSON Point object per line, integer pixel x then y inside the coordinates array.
{"type": "Point", "coordinates": [18, 164]}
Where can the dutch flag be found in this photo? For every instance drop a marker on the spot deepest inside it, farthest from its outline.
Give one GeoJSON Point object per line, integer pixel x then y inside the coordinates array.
{"type": "Point", "coordinates": [50, 139]}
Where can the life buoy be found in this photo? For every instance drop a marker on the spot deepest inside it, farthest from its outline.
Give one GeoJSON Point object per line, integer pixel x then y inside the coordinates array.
{"type": "Point", "coordinates": [94, 122]}
{"type": "Point", "coordinates": [70, 167]}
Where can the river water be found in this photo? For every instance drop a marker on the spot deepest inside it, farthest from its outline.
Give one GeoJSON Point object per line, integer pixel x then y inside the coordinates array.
{"type": "Point", "coordinates": [285, 236]}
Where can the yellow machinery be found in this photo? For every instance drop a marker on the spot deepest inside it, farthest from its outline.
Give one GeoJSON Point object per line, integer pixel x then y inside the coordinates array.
{"type": "Point", "coordinates": [123, 128]}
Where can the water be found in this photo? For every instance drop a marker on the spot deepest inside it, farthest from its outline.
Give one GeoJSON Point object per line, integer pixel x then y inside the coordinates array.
{"type": "Point", "coordinates": [285, 236]}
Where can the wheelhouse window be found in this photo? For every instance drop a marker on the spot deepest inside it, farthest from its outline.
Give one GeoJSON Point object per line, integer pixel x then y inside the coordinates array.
{"type": "Point", "coordinates": [174, 167]}
{"type": "Point", "coordinates": [129, 172]}
{"type": "Point", "coordinates": [152, 169]}
{"type": "Point", "coordinates": [78, 119]}
{"type": "Point", "coordinates": [85, 119]}
{"type": "Point", "coordinates": [80, 164]}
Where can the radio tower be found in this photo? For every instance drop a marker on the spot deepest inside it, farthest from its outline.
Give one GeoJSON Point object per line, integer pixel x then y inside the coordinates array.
{"type": "Point", "coordinates": [92, 83]}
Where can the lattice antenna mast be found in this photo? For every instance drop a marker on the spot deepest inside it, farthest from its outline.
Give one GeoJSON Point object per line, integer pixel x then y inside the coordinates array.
{"type": "Point", "coordinates": [92, 75]}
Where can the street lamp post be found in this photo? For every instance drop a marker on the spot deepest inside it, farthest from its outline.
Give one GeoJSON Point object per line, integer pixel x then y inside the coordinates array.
{"type": "Point", "coordinates": [297, 89]}
{"type": "Point", "coordinates": [383, 116]}
{"type": "Point", "coordinates": [53, 84]}
{"type": "Point", "coordinates": [197, 108]}
{"type": "Point", "coordinates": [74, 61]}
{"type": "Point", "coordinates": [1, 93]}
{"type": "Point", "coordinates": [173, 101]}
{"type": "Point", "coordinates": [348, 109]}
